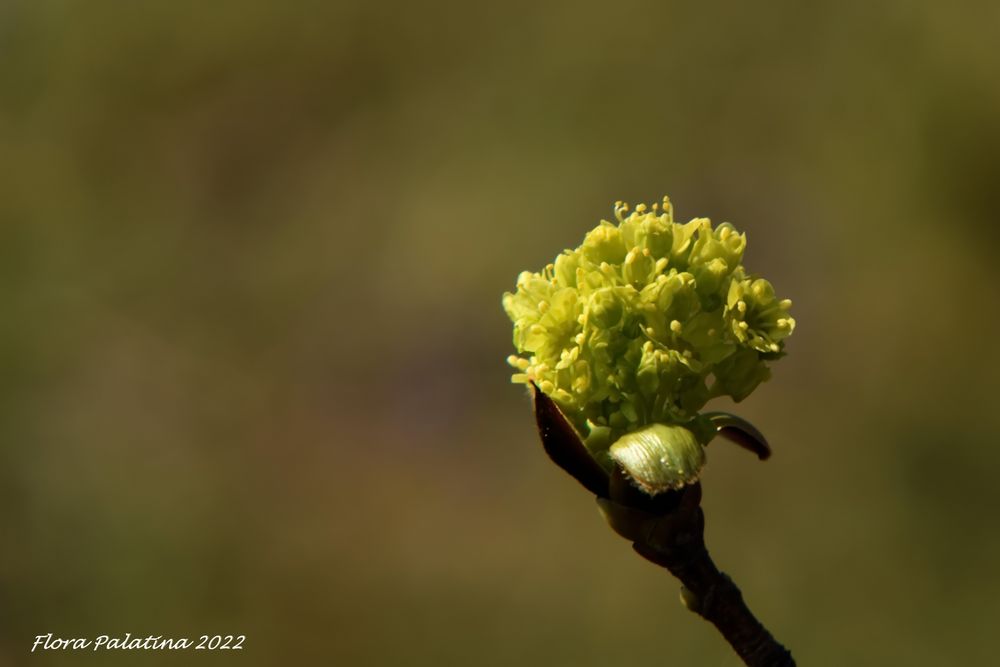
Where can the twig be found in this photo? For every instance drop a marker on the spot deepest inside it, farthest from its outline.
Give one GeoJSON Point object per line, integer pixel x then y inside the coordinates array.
{"type": "Point", "coordinates": [677, 543]}
{"type": "Point", "coordinates": [669, 530]}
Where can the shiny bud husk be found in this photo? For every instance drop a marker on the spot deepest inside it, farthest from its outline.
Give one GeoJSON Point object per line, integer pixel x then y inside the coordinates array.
{"type": "Point", "coordinates": [659, 457]}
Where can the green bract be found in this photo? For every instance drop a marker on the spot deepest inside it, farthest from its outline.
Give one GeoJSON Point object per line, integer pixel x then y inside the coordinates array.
{"type": "Point", "coordinates": [644, 323]}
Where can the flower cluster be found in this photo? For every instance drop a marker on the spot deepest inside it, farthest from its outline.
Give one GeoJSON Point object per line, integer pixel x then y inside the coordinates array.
{"type": "Point", "coordinates": [644, 323]}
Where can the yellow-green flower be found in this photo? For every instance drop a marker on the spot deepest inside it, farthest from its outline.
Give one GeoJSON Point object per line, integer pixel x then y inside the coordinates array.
{"type": "Point", "coordinates": [643, 323]}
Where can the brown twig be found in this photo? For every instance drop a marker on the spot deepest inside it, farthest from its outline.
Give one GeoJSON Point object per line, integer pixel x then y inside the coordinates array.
{"type": "Point", "coordinates": [676, 541]}
{"type": "Point", "coordinates": [668, 530]}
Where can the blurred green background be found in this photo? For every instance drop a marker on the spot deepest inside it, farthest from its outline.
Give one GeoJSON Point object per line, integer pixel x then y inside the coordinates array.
{"type": "Point", "coordinates": [252, 372]}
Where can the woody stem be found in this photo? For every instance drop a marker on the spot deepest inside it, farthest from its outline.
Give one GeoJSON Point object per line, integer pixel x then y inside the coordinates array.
{"type": "Point", "coordinates": [712, 595]}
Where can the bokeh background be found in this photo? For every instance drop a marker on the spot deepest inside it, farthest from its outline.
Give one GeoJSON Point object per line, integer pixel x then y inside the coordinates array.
{"type": "Point", "coordinates": [252, 372]}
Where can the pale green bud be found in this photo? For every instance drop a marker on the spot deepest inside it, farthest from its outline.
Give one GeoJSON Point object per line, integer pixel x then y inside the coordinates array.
{"type": "Point", "coordinates": [660, 458]}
